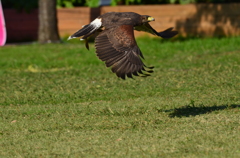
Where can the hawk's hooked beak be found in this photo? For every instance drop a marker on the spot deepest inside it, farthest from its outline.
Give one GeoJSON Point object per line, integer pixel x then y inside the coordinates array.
{"type": "Point", "coordinates": [151, 18]}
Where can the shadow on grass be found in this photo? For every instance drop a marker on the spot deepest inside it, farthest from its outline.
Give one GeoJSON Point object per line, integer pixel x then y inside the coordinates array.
{"type": "Point", "coordinates": [191, 110]}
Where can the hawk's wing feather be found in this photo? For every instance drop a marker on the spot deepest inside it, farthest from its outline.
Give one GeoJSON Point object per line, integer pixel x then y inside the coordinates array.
{"type": "Point", "coordinates": [88, 30]}
{"type": "Point", "coordinates": [168, 33]}
{"type": "Point", "coordinates": [85, 32]}
{"type": "Point", "coordinates": [118, 49]}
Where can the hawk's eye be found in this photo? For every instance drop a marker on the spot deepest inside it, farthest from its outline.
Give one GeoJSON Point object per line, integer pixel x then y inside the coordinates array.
{"type": "Point", "coordinates": [144, 18]}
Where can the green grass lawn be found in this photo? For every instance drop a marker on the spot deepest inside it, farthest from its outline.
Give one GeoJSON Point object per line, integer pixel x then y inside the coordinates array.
{"type": "Point", "coordinates": [59, 100]}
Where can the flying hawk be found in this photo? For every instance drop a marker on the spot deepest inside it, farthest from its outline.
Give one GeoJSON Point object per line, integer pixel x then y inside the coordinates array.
{"type": "Point", "coordinates": [116, 45]}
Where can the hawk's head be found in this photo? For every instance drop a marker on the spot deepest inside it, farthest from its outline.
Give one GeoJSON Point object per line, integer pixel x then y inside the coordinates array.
{"type": "Point", "coordinates": [146, 18]}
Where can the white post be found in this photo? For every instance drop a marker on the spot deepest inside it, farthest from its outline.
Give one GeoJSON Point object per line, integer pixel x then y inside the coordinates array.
{"type": "Point", "coordinates": [3, 32]}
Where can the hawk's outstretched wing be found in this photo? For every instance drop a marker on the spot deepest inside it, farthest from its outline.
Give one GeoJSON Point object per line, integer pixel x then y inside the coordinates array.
{"type": "Point", "coordinates": [118, 49]}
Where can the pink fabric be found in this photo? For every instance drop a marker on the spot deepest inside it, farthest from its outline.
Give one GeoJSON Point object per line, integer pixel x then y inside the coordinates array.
{"type": "Point", "coordinates": [2, 27]}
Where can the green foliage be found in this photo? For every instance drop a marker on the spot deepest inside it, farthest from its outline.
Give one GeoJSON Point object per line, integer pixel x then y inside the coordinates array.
{"type": "Point", "coordinates": [127, 2]}
{"type": "Point", "coordinates": [70, 3]}
{"type": "Point", "coordinates": [92, 3]}
{"type": "Point", "coordinates": [114, 2]}
{"type": "Point", "coordinates": [141, 2]}
{"type": "Point", "coordinates": [74, 3]}
{"type": "Point", "coordinates": [59, 100]}
{"type": "Point", "coordinates": [182, 1]}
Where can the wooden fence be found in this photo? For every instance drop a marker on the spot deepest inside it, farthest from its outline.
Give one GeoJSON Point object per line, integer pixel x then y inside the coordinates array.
{"type": "Point", "coordinates": [190, 20]}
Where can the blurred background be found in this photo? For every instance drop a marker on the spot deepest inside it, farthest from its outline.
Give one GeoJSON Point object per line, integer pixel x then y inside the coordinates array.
{"type": "Point", "coordinates": [52, 20]}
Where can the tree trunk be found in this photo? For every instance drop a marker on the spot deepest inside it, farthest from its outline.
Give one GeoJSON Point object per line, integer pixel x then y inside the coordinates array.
{"type": "Point", "coordinates": [48, 28]}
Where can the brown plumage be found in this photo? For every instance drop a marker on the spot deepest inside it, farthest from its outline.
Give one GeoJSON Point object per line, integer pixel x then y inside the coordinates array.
{"type": "Point", "coordinates": [116, 44]}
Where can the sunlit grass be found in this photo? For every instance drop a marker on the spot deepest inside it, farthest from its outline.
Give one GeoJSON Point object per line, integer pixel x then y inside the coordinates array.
{"type": "Point", "coordinates": [59, 100]}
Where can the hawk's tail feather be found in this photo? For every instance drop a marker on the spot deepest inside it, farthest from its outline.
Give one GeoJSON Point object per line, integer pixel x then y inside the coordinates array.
{"type": "Point", "coordinates": [85, 32]}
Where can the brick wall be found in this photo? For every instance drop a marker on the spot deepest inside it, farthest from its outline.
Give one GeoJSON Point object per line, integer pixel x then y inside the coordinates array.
{"type": "Point", "coordinates": [70, 20]}
{"type": "Point", "coordinates": [190, 20]}
{"type": "Point", "coordinates": [21, 26]}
